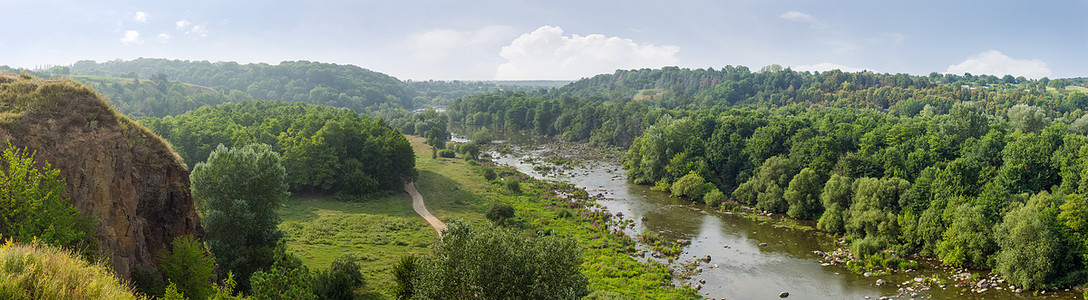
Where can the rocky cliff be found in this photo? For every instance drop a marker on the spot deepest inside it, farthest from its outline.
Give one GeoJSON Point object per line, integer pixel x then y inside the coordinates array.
{"type": "Point", "coordinates": [128, 179]}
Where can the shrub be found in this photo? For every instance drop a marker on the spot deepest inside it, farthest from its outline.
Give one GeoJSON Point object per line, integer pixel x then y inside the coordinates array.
{"type": "Point", "coordinates": [188, 266]}
{"type": "Point", "coordinates": [489, 174]}
{"type": "Point", "coordinates": [340, 280]}
{"type": "Point", "coordinates": [34, 205]}
{"type": "Point", "coordinates": [405, 273]}
{"type": "Point", "coordinates": [499, 213]}
{"type": "Point", "coordinates": [286, 279]}
{"type": "Point", "coordinates": [447, 153]}
{"type": "Point", "coordinates": [714, 198]}
{"type": "Point", "coordinates": [690, 185]}
{"type": "Point", "coordinates": [513, 185]}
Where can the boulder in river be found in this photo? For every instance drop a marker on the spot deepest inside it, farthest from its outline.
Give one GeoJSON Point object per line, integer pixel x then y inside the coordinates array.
{"type": "Point", "coordinates": [763, 244]}
{"type": "Point", "coordinates": [783, 294]}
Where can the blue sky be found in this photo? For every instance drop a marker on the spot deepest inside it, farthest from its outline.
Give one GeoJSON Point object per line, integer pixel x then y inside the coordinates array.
{"type": "Point", "coordinates": [422, 40]}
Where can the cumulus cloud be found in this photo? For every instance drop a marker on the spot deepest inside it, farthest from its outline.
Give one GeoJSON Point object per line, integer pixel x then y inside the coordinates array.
{"type": "Point", "coordinates": [131, 37]}
{"type": "Point", "coordinates": [800, 17]}
{"type": "Point", "coordinates": [826, 66]}
{"type": "Point", "coordinates": [547, 53]}
{"type": "Point", "coordinates": [194, 31]}
{"type": "Point", "coordinates": [140, 17]}
{"type": "Point", "coordinates": [995, 63]}
{"type": "Point", "coordinates": [441, 44]}
{"type": "Point", "coordinates": [163, 38]}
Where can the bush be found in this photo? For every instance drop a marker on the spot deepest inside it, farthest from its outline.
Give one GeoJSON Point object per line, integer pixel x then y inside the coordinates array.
{"type": "Point", "coordinates": [489, 174]}
{"type": "Point", "coordinates": [286, 279]}
{"type": "Point", "coordinates": [405, 273]}
{"type": "Point", "coordinates": [447, 153]}
{"type": "Point", "coordinates": [513, 185]}
{"type": "Point", "coordinates": [340, 280]}
{"type": "Point", "coordinates": [499, 213]}
{"type": "Point", "coordinates": [188, 267]}
{"type": "Point", "coordinates": [34, 205]}
{"type": "Point", "coordinates": [690, 186]}
{"type": "Point", "coordinates": [43, 272]}
{"type": "Point", "coordinates": [714, 198]}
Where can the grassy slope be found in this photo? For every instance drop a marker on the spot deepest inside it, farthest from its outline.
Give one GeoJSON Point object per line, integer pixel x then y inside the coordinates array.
{"type": "Point", "coordinates": [43, 272]}
{"type": "Point", "coordinates": [384, 228]}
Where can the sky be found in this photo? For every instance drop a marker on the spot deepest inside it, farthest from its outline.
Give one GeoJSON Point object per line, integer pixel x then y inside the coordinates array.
{"type": "Point", "coordinates": [561, 40]}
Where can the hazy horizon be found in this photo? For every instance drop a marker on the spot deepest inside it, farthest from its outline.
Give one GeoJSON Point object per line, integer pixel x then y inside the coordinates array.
{"type": "Point", "coordinates": [565, 40]}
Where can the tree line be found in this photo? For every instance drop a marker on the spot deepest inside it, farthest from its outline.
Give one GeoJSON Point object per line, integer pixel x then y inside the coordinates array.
{"type": "Point", "coordinates": [324, 149]}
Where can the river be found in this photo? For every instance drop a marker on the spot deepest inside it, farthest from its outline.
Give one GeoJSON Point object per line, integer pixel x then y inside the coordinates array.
{"type": "Point", "coordinates": [745, 269]}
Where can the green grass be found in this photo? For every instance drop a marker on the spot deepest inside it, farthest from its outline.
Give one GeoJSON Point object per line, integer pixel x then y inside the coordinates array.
{"type": "Point", "coordinates": [382, 229]}
{"type": "Point", "coordinates": [378, 230]}
{"type": "Point", "coordinates": [43, 272]}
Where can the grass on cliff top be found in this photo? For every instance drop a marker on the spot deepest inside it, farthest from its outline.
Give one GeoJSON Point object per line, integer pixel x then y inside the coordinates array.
{"type": "Point", "coordinates": [42, 272]}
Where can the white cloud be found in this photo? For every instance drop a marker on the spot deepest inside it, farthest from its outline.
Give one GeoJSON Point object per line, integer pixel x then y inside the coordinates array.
{"type": "Point", "coordinates": [163, 38]}
{"type": "Point", "coordinates": [800, 17]}
{"type": "Point", "coordinates": [194, 31]}
{"type": "Point", "coordinates": [141, 17]}
{"type": "Point", "coordinates": [995, 63]}
{"type": "Point", "coordinates": [131, 37]}
{"type": "Point", "coordinates": [197, 31]}
{"type": "Point", "coordinates": [826, 66]}
{"type": "Point", "coordinates": [548, 54]}
{"type": "Point", "coordinates": [440, 44]}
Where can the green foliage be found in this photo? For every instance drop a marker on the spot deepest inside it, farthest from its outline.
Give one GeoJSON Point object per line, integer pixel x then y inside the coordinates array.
{"type": "Point", "coordinates": [969, 240]}
{"type": "Point", "coordinates": [340, 280]}
{"type": "Point", "coordinates": [172, 293]}
{"type": "Point", "coordinates": [766, 190]}
{"type": "Point", "coordinates": [1027, 118]}
{"type": "Point", "coordinates": [1029, 248]}
{"type": "Point", "coordinates": [187, 267]}
{"type": "Point", "coordinates": [803, 195]}
{"type": "Point", "coordinates": [482, 136]}
{"type": "Point", "coordinates": [489, 174]}
{"type": "Point", "coordinates": [287, 278]}
{"type": "Point", "coordinates": [34, 205]}
{"type": "Point", "coordinates": [404, 274]}
{"type": "Point", "coordinates": [324, 149]}
{"type": "Point", "coordinates": [499, 264]}
{"type": "Point", "coordinates": [499, 213]}
{"type": "Point", "coordinates": [447, 153]}
{"type": "Point", "coordinates": [237, 192]}
{"type": "Point", "coordinates": [36, 271]}
{"type": "Point", "coordinates": [872, 215]}
{"type": "Point", "coordinates": [513, 185]}
{"type": "Point", "coordinates": [690, 186]}
{"type": "Point", "coordinates": [225, 290]}
{"type": "Point", "coordinates": [470, 151]}
{"type": "Point", "coordinates": [714, 197]}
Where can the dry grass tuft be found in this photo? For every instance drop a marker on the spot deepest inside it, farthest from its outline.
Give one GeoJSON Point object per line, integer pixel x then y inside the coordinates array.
{"type": "Point", "coordinates": [43, 272]}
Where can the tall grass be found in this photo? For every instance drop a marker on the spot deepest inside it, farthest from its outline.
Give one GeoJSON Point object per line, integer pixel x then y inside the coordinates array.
{"type": "Point", "coordinates": [43, 272]}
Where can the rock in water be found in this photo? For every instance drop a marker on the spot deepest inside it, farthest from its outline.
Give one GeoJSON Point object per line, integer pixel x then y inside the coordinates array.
{"type": "Point", "coordinates": [117, 172]}
{"type": "Point", "coordinates": [783, 294]}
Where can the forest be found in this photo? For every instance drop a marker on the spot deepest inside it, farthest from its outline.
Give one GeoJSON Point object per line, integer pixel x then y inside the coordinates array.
{"type": "Point", "coordinates": [978, 171]}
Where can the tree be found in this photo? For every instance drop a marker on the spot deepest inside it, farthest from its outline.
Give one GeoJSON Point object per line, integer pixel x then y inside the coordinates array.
{"type": "Point", "coordinates": [1029, 248]}
{"type": "Point", "coordinates": [34, 205]}
{"type": "Point", "coordinates": [803, 195]}
{"type": "Point", "coordinates": [691, 186]}
{"type": "Point", "coordinates": [714, 197]}
{"type": "Point", "coordinates": [836, 197]}
{"type": "Point", "coordinates": [496, 264]}
{"type": "Point", "coordinates": [286, 279]}
{"type": "Point", "coordinates": [404, 273]}
{"type": "Point", "coordinates": [340, 280]}
{"type": "Point", "coordinates": [470, 151]}
{"type": "Point", "coordinates": [969, 241]}
{"type": "Point", "coordinates": [966, 120]}
{"type": "Point", "coordinates": [237, 192]}
{"type": "Point", "coordinates": [188, 267]}
{"type": "Point", "coordinates": [1027, 118]}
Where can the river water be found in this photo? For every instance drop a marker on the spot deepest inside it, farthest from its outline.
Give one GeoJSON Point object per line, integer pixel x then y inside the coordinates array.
{"type": "Point", "coordinates": [745, 270]}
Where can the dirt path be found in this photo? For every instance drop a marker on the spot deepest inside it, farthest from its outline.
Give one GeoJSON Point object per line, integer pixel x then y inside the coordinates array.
{"type": "Point", "coordinates": [417, 204]}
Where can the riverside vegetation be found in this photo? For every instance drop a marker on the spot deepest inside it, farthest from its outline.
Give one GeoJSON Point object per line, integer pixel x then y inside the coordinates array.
{"type": "Point", "coordinates": [979, 171]}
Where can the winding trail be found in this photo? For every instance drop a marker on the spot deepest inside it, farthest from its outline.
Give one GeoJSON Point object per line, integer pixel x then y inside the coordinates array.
{"type": "Point", "coordinates": [417, 204]}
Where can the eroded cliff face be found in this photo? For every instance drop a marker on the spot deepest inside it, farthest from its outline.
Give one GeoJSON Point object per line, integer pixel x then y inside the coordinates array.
{"type": "Point", "coordinates": [127, 178]}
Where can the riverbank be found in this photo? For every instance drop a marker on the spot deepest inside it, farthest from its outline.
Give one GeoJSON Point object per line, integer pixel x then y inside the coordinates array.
{"type": "Point", "coordinates": [760, 252]}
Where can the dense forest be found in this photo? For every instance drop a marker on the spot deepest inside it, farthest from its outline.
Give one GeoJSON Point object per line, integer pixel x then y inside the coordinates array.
{"type": "Point", "coordinates": [324, 148]}
{"type": "Point", "coordinates": [979, 171]}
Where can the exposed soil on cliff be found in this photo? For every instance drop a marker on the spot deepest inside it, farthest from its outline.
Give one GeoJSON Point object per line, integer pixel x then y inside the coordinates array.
{"type": "Point", "coordinates": [124, 176]}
